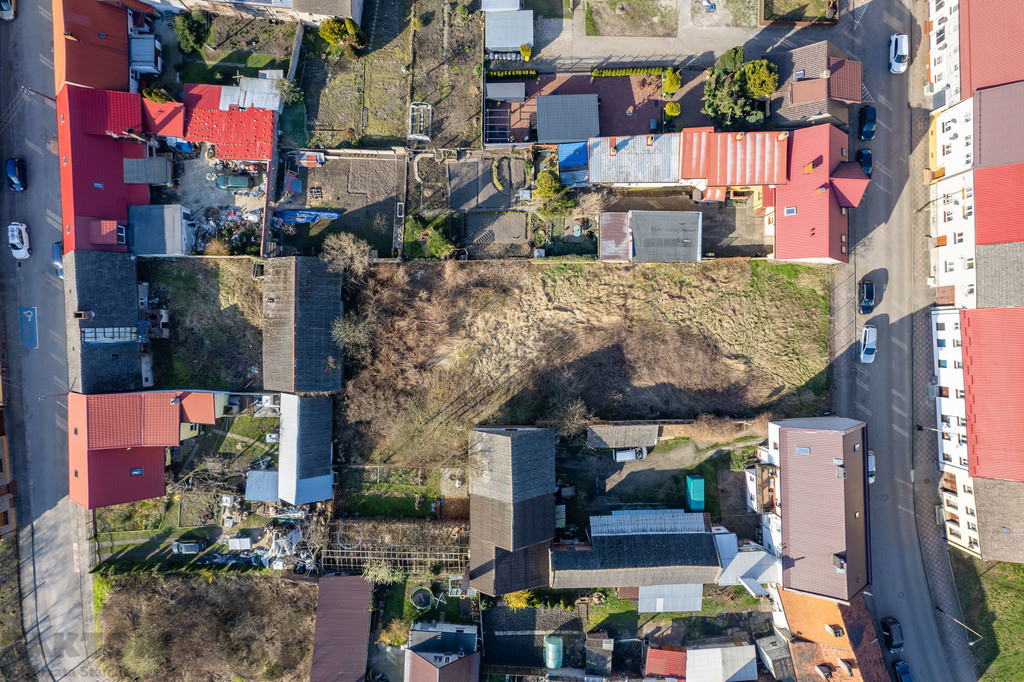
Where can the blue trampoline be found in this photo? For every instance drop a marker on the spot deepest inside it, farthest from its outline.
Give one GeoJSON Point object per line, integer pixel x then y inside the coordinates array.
{"type": "Point", "coordinates": [572, 154]}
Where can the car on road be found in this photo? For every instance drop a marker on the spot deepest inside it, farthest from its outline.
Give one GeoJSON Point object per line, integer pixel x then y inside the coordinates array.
{"type": "Point", "coordinates": [867, 123]}
{"type": "Point", "coordinates": [892, 633]}
{"type": "Point", "coordinates": [17, 237]}
{"type": "Point", "coordinates": [235, 181]}
{"type": "Point", "coordinates": [7, 10]}
{"type": "Point", "coordinates": [866, 294]}
{"type": "Point", "coordinates": [868, 344]}
{"type": "Point", "coordinates": [871, 467]}
{"type": "Point", "coordinates": [899, 52]}
{"type": "Point", "coordinates": [629, 454]}
{"type": "Point", "coordinates": [902, 671]}
{"type": "Point", "coordinates": [188, 547]}
{"type": "Point", "coordinates": [58, 259]}
{"type": "Point", "coordinates": [864, 159]}
{"type": "Point", "coordinates": [15, 169]}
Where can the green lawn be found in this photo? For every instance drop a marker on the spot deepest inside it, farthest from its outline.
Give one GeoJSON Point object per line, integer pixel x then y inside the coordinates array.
{"type": "Point", "coordinates": [795, 10]}
{"type": "Point", "coordinates": [293, 126]}
{"type": "Point", "coordinates": [398, 607]}
{"type": "Point", "coordinates": [309, 237]}
{"type": "Point", "coordinates": [621, 613]}
{"type": "Point", "coordinates": [382, 505]}
{"type": "Point", "coordinates": [992, 599]}
{"type": "Point", "coordinates": [195, 70]}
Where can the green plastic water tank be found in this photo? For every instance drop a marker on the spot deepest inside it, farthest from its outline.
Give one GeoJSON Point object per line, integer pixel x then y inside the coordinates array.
{"type": "Point", "coordinates": [552, 652]}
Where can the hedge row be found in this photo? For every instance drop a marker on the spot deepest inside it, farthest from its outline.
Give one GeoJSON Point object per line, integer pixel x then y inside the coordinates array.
{"type": "Point", "coordinates": [504, 75]}
{"type": "Point", "coordinates": [640, 71]}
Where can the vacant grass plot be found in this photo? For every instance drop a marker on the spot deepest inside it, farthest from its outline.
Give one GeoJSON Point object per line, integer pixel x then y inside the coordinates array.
{"type": "Point", "coordinates": [452, 345]}
{"type": "Point", "coordinates": [795, 10]}
{"type": "Point", "coordinates": [14, 659]}
{"type": "Point", "coordinates": [222, 626]}
{"type": "Point", "coordinates": [216, 311]}
{"type": "Point", "coordinates": [239, 46]}
{"type": "Point", "coordinates": [634, 18]}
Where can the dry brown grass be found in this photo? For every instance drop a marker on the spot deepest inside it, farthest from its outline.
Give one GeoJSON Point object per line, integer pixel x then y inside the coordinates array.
{"type": "Point", "coordinates": [210, 626]}
{"type": "Point", "coordinates": [468, 343]}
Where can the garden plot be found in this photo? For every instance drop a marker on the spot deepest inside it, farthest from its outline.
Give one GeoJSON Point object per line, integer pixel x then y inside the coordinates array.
{"type": "Point", "coordinates": [433, 188]}
{"type": "Point", "coordinates": [496, 235]}
{"type": "Point", "coordinates": [486, 183]}
{"type": "Point", "coordinates": [239, 46]}
{"type": "Point", "coordinates": [642, 18]}
{"type": "Point", "coordinates": [447, 70]}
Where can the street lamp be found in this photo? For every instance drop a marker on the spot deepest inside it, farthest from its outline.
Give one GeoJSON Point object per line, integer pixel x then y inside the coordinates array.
{"type": "Point", "coordinates": [964, 625]}
{"type": "Point", "coordinates": [926, 428]}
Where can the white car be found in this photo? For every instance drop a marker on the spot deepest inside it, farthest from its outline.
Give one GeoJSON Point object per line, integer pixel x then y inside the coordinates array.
{"type": "Point", "coordinates": [630, 455]}
{"type": "Point", "coordinates": [899, 52]}
{"type": "Point", "coordinates": [871, 467]}
{"type": "Point", "coordinates": [868, 344]}
{"type": "Point", "coordinates": [17, 237]}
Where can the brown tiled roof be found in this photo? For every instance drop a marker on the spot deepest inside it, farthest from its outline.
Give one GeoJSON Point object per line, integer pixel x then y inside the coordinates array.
{"type": "Point", "coordinates": [800, 98]}
{"type": "Point", "coordinates": [809, 616]}
{"type": "Point", "coordinates": [459, 670]}
{"type": "Point", "coordinates": [628, 593]}
{"type": "Point", "coordinates": [341, 638]}
{"type": "Point", "coordinates": [1000, 509]}
{"type": "Point", "coordinates": [496, 571]}
{"type": "Point", "coordinates": [809, 90]}
{"type": "Point", "coordinates": [844, 81]}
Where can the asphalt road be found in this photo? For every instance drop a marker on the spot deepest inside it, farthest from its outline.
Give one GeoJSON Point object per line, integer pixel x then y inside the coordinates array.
{"type": "Point", "coordinates": [57, 602]}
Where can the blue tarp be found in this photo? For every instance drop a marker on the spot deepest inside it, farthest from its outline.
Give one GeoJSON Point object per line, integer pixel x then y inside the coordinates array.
{"type": "Point", "coordinates": [293, 217]}
{"type": "Point", "coordinates": [572, 154]}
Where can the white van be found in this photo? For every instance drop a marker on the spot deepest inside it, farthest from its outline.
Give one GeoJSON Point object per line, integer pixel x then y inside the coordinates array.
{"type": "Point", "coordinates": [629, 455]}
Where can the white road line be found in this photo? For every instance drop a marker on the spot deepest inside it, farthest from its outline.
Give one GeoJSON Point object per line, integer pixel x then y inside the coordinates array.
{"type": "Point", "coordinates": [865, 94]}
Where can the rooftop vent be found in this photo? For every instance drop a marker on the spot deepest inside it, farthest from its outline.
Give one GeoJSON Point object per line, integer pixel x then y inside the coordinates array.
{"type": "Point", "coordinates": [845, 666]}
{"type": "Point", "coordinates": [824, 672]}
{"type": "Point", "coordinates": [809, 168]}
{"type": "Point", "coordinates": [834, 630]}
{"type": "Point", "coordinates": [839, 561]}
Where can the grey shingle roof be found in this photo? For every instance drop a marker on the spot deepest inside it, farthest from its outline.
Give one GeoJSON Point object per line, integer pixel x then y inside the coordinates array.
{"type": "Point", "coordinates": [512, 465]}
{"type": "Point", "coordinates": [666, 236]}
{"type": "Point", "coordinates": [156, 230]}
{"type": "Point", "coordinates": [1000, 519]}
{"type": "Point", "coordinates": [1000, 284]}
{"type": "Point", "coordinates": [508, 31]}
{"type": "Point", "coordinates": [637, 560]}
{"type": "Point", "coordinates": [102, 286]}
{"type": "Point", "coordinates": [567, 118]}
{"type": "Point", "coordinates": [301, 300]}
{"type": "Point", "coordinates": [331, 8]}
{"type": "Point", "coordinates": [496, 571]}
{"type": "Point", "coordinates": [622, 435]}
{"type": "Point", "coordinates": [812, 61]}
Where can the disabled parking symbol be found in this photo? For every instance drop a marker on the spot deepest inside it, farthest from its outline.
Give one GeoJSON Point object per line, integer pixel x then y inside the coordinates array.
{"type": "Point", "coordinates": [29, 330]}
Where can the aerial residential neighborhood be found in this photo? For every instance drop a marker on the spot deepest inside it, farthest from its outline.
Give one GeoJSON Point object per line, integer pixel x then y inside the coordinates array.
{"type": "Point", "coordinates": [511, 340]}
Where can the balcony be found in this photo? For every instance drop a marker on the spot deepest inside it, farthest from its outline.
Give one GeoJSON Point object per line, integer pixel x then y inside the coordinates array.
{"type": "Point", "coordinates": [948, 482]}
{"type": "Point", "coordinates": [766, 480]}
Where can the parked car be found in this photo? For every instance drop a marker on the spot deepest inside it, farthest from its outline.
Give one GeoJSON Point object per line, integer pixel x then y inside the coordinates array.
{"type": "Point", "coordinates": [871, 467]}
{"type": "Point", "coordinates": [235, 181]}
{"type": "Point", "coordinates": [629, 455]}
{"type": "Point", "coordinates": [7, 10]}
{"type": "Point", "coordinates": [15, 168]}
{"type": "Point", "coordinates": [902, 671]}
{"type": "Point", "coordinates": [899, 52]}
{"type": "Point", "coordinates": [867, 123]}
{"type": "Point", "coordinates": [17, 237]}
{"type": "Point", "coordinates": [866, 294]}
{"type": "Point", "coordinates": [58, 259]}
{"type": "Point", "coordinates": [864, 159]}
{"type": "Point", "coordinates": [188, 547]}
{"type": "Point", "coordinates": [892, 633]}
{"type": "Point", "coordinates": [868, 343]}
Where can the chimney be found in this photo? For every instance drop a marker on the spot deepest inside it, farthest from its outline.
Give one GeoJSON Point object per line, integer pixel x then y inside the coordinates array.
{"type": "Point", "coordinates": [739, 136]}
{"type": "Point", "coordinates": [650, 140]}
{"type": "Point", "coordinates": [820, 190]}
{"type": "Point", "coordinates": [783, 135]}
{"type": "Point", "coordinates": [834, 630]}
{"type": "Point", "coordinates": [612, 151]}
{"type": "Point", "coordinates": [809, 168]}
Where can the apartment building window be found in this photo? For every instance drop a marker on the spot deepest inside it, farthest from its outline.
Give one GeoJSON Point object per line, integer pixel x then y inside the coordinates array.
{"type": "Point", "coordinates": [970, 289]}
{"type": "Point", "coordinates": [954, 533]}
{"type": "Point", "coordinates": [963, 461]}
{"type": "Point", "coordinates": [961, 438]}
{"type": "Point", "coordinates": [939, 5]}
{"type": "Point", "coordinates": [942, 364]}
{"type": "Point", "coordinates": [842, 152]}
{"type": "Point", "coordinates": [960, 393]}
{"type": "Point", "coordinates": [943, 391]}
{"type": "Point", "coordinates": [842, 248]}
{"type": "Point", "coordinates": [968, 191]}
{"type": "Point", "coordinates": [938, 59]}
{"type": "Point", "coordinates": [946, 419]}
{"type": "Point", "coordinates": [950, 266]}
{"type": "Point", "coordinates": [960, 421]}
{"type": "Point", "coordinates": [956, 342]}
{"type": "Point", "coordinates": [970, 263]}
{"type": "Point", "coordinates": [947, 126]}
{"type": "Point", "coordinates": [947, 198]}
{"type": "Point", "coordinates": [946, 435]}
{"type": "Point", "coordinates": [968, 489]}
{"type": "Point", "coordinates": [958, 237]}
{"type": "Point", "coordinates": [969, 511]}
{"type": "Point", "coordinates": [972, 543]}
{"type": "Point", "coordinates": [950, 504]}
{"type": "Point", "coordinates": [941, 343]}
{"type": "Point", "coordinates": [946, 458]}
{"type": "Point", "coordinates": [940, 35]}
{"type": "Point", "coordinates": [968, 210]}
{"type": "Point", "coordinates": [968, 159]}
{"type": "Point", "coordinates": [947, 149]}
{"type": "Point", "coordinates": [947, 216]}
{"type": "Point", "coordinates": [972, 526]}
{"type": "Point", "coordinates": [957, 364]}
{"type": "Point", "coordinates": [940, 326]}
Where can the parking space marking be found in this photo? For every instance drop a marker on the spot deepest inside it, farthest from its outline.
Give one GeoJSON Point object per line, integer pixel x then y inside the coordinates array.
{"type": "Point", "coordinates": [29, 329]}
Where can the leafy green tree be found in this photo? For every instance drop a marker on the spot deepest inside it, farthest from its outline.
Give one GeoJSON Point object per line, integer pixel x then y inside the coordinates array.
{"type": "Point", "coordinates": [548, 184]}
{"type": "Point", "coordinates": [355, 33]}
{"type": "Point", "coordinates": [730, 62]}
{"type": "Point", "coordinates": [333, 31]}
{"type": "Point", "coordinates": [438, 245]}
{"type": "Point", "coordinates": [192, 30]}
{"type": "Point", "coordinates": [672, 81]}
{"type": "Point", "coordinates": [672, 109]}
{"type": "Point", "coordinates": [760, 78]}
{"type": "Point", "coordinates": [290, 91]}
{"type": "Point", "coordinates": [154, 94]}
{"type": "Point", "coordinates": [463, 11]}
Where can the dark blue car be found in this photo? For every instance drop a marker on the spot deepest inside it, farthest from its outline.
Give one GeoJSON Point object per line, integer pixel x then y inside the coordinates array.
{"type": "Point", "coordinates": [864, 157]}
{"type": "Point", "coordinates": [16, 175]}
{"type": "Point", "coordinates": [58, 259]}
{"type": "Point", "coordinates": [867, 123]}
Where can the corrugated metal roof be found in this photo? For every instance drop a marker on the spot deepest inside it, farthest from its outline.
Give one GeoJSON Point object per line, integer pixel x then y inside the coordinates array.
{"type": "Point", "coordinates": [507, 31]}
{"type": "Point", "coordinates": [163, 119]}
{"type": "Point", "coordinates": [304, 468]}
{"type": "Point", "coordinates": [996, 209]}
{"type": "Point", "coordinates": [666, 236]}
{"type": "Point", "coordinates": [694, 153]}
{"type": "Point", "coordinates": [500, 5]}
{"type": "Point", "coordinates": [261, 486]}
{"type": "Point", "coordinates": [650, 523]}
{"type": "Point", "coordinates": [738, 159]}
{"type": "Point", "coordinates": [505, 91]}
{"type": "Point", "coordinates": [613, 246]}
{"type": "Point", "coordinates": [620, 435]}
{"type": "Point", "coordinates": [567, 118]}
{"type": "Point", "coordinates": [157, 230]}
{"type": "Point", "coordinates": [994, 386]}
{"type": "Point", "coordinates": [342, 634]}
{"type": "Point", "coordinates": [996, 116]}
{"type": "Point", "coordinates": [671, 598]}
{"type": "Point", "coordinates": [90, 45]}
{"type": "Point", "coordinates": [635, 162]}
{"type": "Point", "coordinates": [572, 154]}
{"type": "Point", "coordinates": [721, 664]}
{"type": "Point", "coordinates": [666, 663]}
{"type": "Point", "coordinates": [258, 93]}
{"type": "Point", "coordinates": [989, 35]}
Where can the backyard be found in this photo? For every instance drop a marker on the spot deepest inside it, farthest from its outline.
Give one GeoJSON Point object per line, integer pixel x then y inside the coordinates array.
{"type": "Point", "coordinates": [386, 491]}
{"type": "Point", "coordinates": [239, 46]}
{"type": "Point", "coordinates": [992, 600]}
{"type": "Point", "coordinates": [796, 10]}
{"type": "Point", "coordinates": [216, 315]}
{"type": "Point", "coordinates": [450, 347]}
{"type": "Point", "coordinates": [635, 18]}
{"type": "Point", "coordinates": [621, 619]}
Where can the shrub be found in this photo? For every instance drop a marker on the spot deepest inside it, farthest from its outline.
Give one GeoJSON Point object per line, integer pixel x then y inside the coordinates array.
{"type": "Point", "coordinates": [760, 78]}
{"type": "Point", "coordinates": [438, 245]}
{"type": "Point", "coordinates": [526, 51]}
{"type": "Point", "coordinates": [216, 247]}
{"type": "Point", "coordinates": [672, 109]}
{"type": "Point", "coordinates": [463, 11]}
{"type": "Point", "coordinates": [672, 81]}
{"type": "Point", "coordinates": [635, 71]}
{"type": "Point", "coordinates": [355, 33]}
{"type": "Point", "coordinates": [591, 23]}
{"type": "Point", "coordinates": [395, 634]}
{"type": "Point", "coordinates": [559, 205]}
{"type": "Point", "coordinates": [548, 184]}
{"type": "Point", "coordinates": [346, 252]}
{"type": "Point", "coordinates": [417, 23]}
{"type": "Point", "coordinates": [516, 601]}
{"type": "Point", "coordinates": [290, 91]}
{"type": "Point", "coordinates": [192, 30]}
{"type": "Point", "coordinates": [333, 31]}
{"type": "Point", "coordinates": [350, 52]}
{"type": "Point", "coordinates": [520, 74]}
{"type": "Point", "coordinates": [154, 94]}
{"type": "Point", "coordinates": [730, 62]}
{"type": "Point", "coordinates": [478, 70]}
{"type": "Point", "coordinates": [356, 333]}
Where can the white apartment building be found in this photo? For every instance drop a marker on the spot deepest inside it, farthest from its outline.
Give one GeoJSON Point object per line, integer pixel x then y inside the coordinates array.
{"type": "Point", "coordinates": [943, 32]}
{"type": "Point", "coordinates": [763, 489]}
{"type": "Point", "coordinates": [956, 487]}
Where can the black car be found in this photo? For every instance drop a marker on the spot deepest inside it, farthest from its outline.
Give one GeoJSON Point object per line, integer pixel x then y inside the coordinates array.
{"type": "Point", "coordinates": [866, 294]}
{"type": "Point", "coordinates": [867, 123]}
{"type": "Point", "coordinates": [892, 633]}
{"type": "Point", "coordinates": [58, 259]}
{"type": "Point", "coordinates": [902, 671]}
{"type": "Point", "coordinates": [864, 158]}
{"type": "Point", "coordinates": [16, 175]}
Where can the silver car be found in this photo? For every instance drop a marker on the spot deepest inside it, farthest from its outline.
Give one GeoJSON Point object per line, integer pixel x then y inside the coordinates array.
{"type": "Point", "coordinates": [868, 344]}
{"type": "Point", "coordinates": [17, 238]}
{"type": "Point", "coordinates": [899, 52]}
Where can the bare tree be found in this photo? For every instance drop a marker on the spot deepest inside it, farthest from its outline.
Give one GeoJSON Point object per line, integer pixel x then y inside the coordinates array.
{"type": "Point", "coordinates": [592, 203]}
{"type": "Point", "coordinates": [345, 252]}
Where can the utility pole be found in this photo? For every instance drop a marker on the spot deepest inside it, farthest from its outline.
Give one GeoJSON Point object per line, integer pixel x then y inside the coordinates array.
{"type": "Point", "coordinates": [36, 92]}
{"type": "Point", "coordinates": [980, 637]}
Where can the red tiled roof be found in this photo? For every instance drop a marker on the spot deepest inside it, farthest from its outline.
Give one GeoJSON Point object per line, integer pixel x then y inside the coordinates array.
{"type": "Point", "coordinates": [666, 663]}
{"type": "Point", "coordinates": [90, 45]}
{"type": "Point", "coordinates": [239, 134]}
{"type": "Point", "coordinates": [92, 173]}
{"type": "Point", "coordinates": [693, 152]}
{"type": "Point", "coordinates": [817, 228]}
{"type": "Point", "coordinates": [738, 159]}
{"type": "Point", "coordinates": [715, 193]}
{"type": "Point", "coordinates": [201, 96]}
{"type": "Point", "coordinates": [844, 80]}
{"type": "Point", "coordinates": [768, 196]}
{"type": "Point", "coordinates": [989, 33]}
{"type": "Point", "coordinates": [163, 119]}
{"type": "Point", "coordinates": [996, 213]}
{"type": "Point", "coordinates": [105, 476]}
{"type": "Point", "coordinates": [103, 112]}
{"type": "Point", "coordinates": [849, 183]}
{"type": "Point", "coordinates": [994, 386]}
{"type": "Point", "coordinates": [198, 407]}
